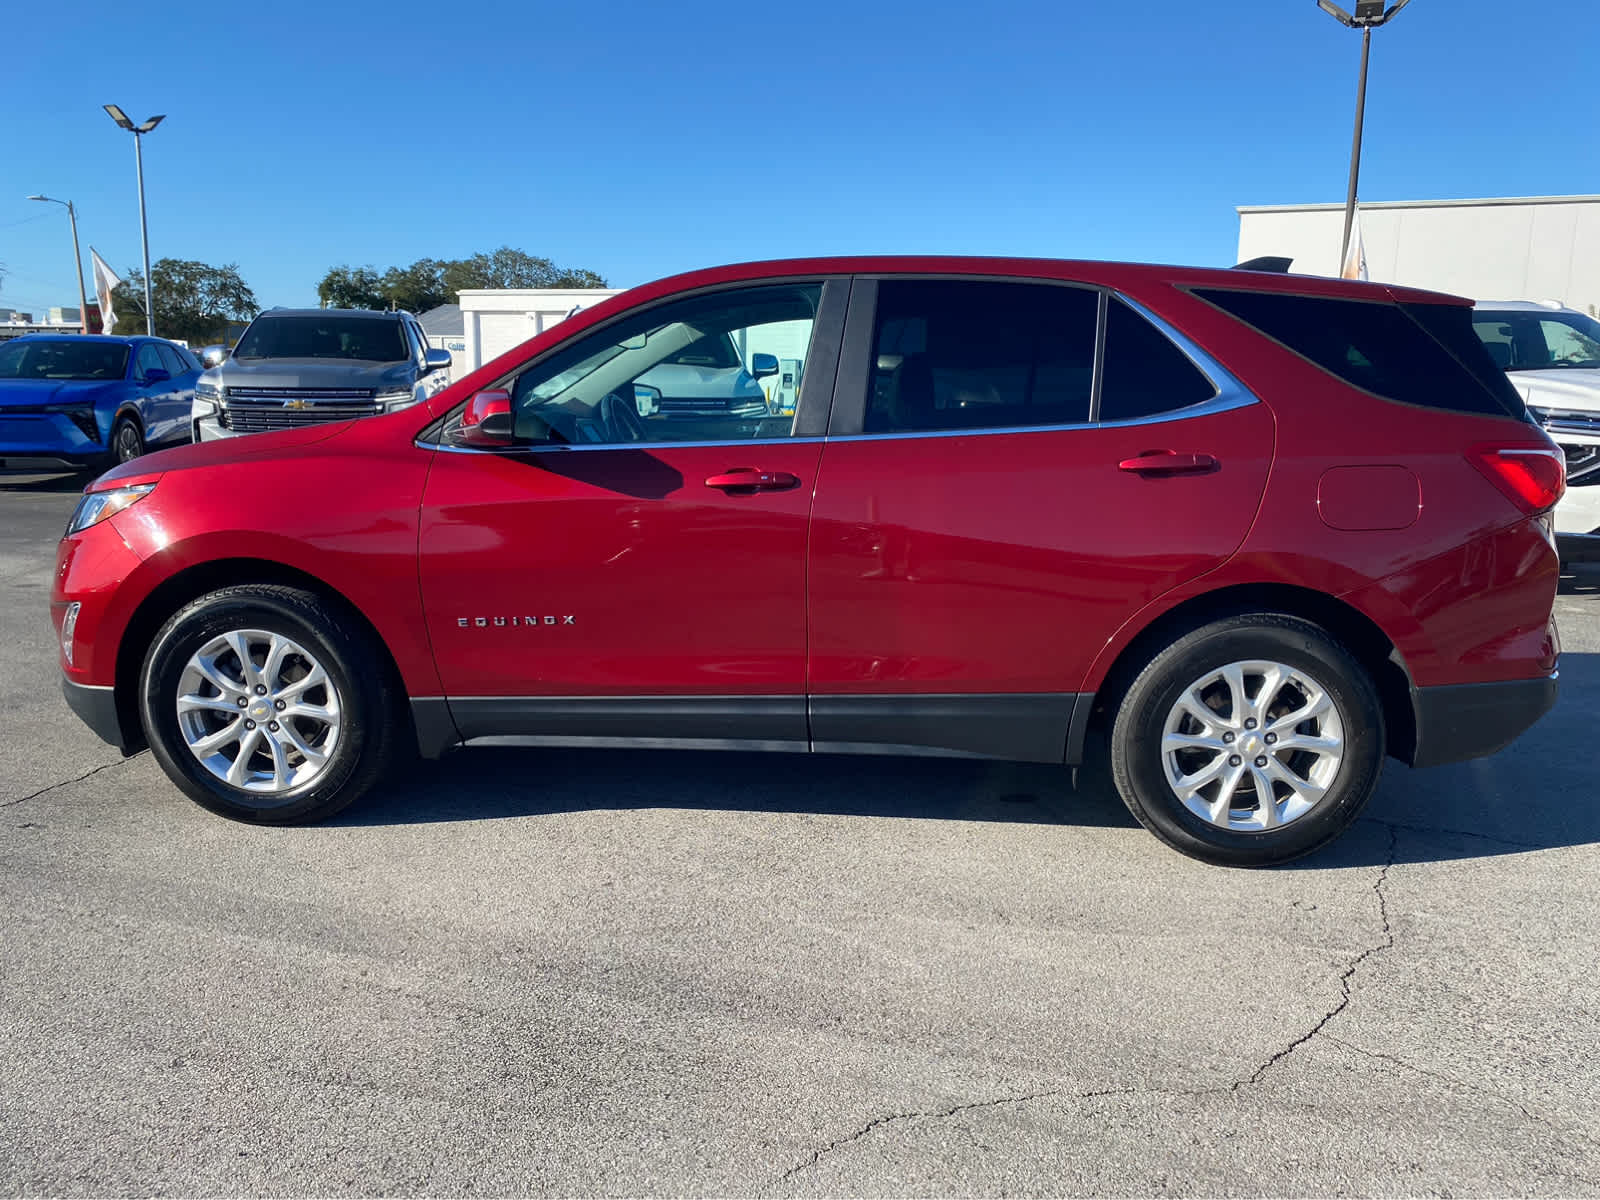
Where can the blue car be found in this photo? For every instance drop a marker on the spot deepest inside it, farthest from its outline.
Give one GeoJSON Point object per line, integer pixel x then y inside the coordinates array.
{"type": "Point", "coordinates": [81, 402]}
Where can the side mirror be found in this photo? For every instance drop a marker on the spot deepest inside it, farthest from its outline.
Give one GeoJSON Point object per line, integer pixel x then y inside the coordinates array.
{"type": "Point", "coordinates": [157, 375]}
{"type": "Point", "coordinates": [438, 360]}
{"type": "Point", "coordinates": [487, 423]}
{"type": "Point", "coordinates": [211, 356]}
{"type": "Point", "coordinates": [762, 365]}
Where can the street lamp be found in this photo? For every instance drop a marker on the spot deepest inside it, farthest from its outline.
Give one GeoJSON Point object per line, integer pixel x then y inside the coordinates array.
{"type": "Point", "coordinates": [1368, 16]}
{"type": "Point", "coordinates": [77, 256]}
{"type": "Point", "coordinates": [138, 131]}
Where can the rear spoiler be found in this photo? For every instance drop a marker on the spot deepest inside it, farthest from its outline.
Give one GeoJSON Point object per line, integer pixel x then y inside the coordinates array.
{"type": "Point", "coordinates": [1268, 262]}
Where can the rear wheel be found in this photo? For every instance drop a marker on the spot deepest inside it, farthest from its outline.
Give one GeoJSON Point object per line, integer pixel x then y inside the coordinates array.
{"type": "Point", "coordinates": [265, 705]}
{"type": "Point", "coordinates": [1249, 742]}
{"type": "Point", "coordinates": [127, 441]}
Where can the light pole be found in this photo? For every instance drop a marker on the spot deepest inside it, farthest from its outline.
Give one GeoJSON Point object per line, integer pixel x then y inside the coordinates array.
{"type": "Point", "coordinates": [138, 131]}
{"type": "Point", "coordinates": [1368, 16]}
{"type": "Point", "coordinates": [77, 257]}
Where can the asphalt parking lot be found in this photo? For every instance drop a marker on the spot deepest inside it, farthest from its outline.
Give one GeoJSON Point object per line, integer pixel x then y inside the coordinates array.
{"type": "Point", "coordinates": [608, 973]}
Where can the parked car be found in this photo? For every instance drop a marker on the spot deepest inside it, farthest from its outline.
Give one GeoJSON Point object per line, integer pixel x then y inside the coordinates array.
{"type": "Point", "coordinates": [1552, 354]}
{"type": "Point", "coordinates": [706, 382]}
{"type": "Point", "coordinates": [1024, 507]}
{"type": "Point", "coordinates": [295, 367]}
{"type": "Point", "coordinates": [86, 402]}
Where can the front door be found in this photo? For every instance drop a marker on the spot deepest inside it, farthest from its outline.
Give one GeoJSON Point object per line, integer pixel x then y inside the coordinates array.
{"type": "Point", "coordinates": [991, 513]}
{"type": "Point", "coordinates": [635, 566]}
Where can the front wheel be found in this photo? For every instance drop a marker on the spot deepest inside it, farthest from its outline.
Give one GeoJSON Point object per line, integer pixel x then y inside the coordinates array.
{"type": "Point", "coordinates": [1249, 742]}
{"type": "Point", "coordinates": [127, 442]}
{"type": "Point", "coordinates": [265, 705]}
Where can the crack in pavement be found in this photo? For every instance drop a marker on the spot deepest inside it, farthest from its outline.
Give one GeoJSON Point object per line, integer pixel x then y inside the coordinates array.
{"type": "Point", "coordinates": [1482, 837]}
{"type": "Point", "coordinates": [1384, 943]}
{"type": "Point", "coordinates": [65, 782]}
{"type": "Point", "coordinates": [1460, 1083]}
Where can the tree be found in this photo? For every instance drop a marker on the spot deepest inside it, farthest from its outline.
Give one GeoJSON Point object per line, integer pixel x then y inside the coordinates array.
{"type": "Point", "coordinates": [194, 301]}
{"type": "Point", "coordinates": [430, 282]}
{"type": "Point", "coordinates": [352, 287]}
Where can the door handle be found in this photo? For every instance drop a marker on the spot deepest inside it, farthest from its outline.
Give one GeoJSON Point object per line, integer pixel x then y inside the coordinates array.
{"type": "Point", "coordinates": [1169, 462]}
{"type": "Point", "coordinates": [748, 479]}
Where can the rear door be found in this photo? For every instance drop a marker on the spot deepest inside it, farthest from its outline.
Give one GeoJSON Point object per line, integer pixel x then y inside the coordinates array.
{"type": "Point", "coordinates": [1012, 471]}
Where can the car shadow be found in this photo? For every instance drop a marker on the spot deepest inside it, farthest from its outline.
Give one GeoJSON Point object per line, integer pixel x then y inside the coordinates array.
{"type": "Point", "coordinates": [72, 482]}
{"type": "Point", "coordinates": [1528, 797]}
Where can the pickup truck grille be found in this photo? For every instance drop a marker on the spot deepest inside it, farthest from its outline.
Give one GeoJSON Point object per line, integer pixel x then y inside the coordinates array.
{"type": "Point", "coordinates": [260, 410]}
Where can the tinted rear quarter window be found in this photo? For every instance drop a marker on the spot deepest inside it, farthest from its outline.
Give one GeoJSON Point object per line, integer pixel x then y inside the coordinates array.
{"type": "Point", "coordinates": [1145, 374]}
{"type": "Point", "coordinates": [1423, 354]}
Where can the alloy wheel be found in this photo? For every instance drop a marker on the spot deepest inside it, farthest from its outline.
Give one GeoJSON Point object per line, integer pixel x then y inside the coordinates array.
{"type": "Point", "coordinates": [259, 712]}
{"type": "Point", "coordinates": [1252, 746]}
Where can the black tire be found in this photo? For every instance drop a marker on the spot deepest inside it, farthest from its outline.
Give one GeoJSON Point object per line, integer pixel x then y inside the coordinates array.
{"type": "Point", "coordinates": [127, 440]}
{"type": "Point", "coordinates": [1140, 720]}
{"type": "Point", "coordinates": [369, 734]}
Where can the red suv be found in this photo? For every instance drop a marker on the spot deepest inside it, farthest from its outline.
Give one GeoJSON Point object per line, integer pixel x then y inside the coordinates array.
{"type": "Point", "coordinates": [1254, 530]}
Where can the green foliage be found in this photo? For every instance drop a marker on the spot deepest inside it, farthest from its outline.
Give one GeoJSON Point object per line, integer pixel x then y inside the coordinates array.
{"type": "Point", "coordinates": [430, 282]}
{"type": "Point", "coordinates": [193, 301]}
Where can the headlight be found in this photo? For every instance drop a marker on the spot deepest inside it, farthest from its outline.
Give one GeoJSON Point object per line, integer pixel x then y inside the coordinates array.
{"type": "Point", "coordinates": [207, 391]}
{"type": "Point", "coordinates": [1541, 415]}
{"type": "Point", "coordinates": [399, 398]}
{"type": "Point", "coordinates": [97, 506]}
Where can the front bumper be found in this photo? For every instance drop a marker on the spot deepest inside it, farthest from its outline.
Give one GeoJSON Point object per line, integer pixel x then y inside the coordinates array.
{"type": "Point", "coordinates": [48, 440]}
{"type": "Point", "coordinates": [97, 708]}
{"type": "Point", "coordinates": [1474, 720]}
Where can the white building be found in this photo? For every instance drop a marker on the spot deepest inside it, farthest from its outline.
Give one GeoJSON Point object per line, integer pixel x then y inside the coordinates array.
{"type": "Point", "coordinates": [495, 320]}
{"type": "Point", "coordinates": [1527, 248]}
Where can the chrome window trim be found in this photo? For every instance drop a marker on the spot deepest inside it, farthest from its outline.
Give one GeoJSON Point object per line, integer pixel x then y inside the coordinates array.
{"type": "Point", "coordinates": [615, 446]}
{"type": "Point", "coordinates": [1231, 395]}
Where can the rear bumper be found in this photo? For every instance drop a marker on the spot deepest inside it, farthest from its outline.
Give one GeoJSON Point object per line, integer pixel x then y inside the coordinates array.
{"type": "Point", "coordinates": [1474, 720]}
{"type": "Point", "coordinates": [1578, 547]}
{"type": "Point", "coordinates": [97, 708]}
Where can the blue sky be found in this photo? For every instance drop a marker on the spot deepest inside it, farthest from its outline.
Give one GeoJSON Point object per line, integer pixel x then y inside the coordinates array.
{"type": "Point", "coordinates": [639, 139]}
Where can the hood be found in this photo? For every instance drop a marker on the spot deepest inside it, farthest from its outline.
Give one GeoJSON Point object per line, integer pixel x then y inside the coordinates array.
{"type": "Point", "coordinates": [681, 381]}
{"type": "Point", "coordinates": [29, 393]}
{"type": "Point", "coordinates": [219, 453]}
{"type": "Point", "coordinates": [1559, 388]}
{"type": "Point", "coordinates": [311, 373]}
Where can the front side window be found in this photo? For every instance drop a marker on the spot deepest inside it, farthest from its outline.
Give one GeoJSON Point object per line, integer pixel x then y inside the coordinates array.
{"type": "Point", "coordinates": [149, 360]}
{"type": "Point", "coordinates": [702, 369]}
{"type": "Point", "coordinates": [172, 360]}
{"type": "Point", "coordinates": [953, 355]}
{"type": "Point", "coordinates": [1530, 341]}
{"type": "Point", "coordinates": [357, 339]}
{"type": "Point", "coordinates": [64, 359]}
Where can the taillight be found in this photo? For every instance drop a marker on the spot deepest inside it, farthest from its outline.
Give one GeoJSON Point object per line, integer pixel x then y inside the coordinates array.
{"type": "Point", "coordinates": [1535, 479]}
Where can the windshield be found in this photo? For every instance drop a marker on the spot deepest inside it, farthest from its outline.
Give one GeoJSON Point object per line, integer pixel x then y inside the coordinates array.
{"type": "Point", "coordinates": [1539, 341]}
{"type": "Point", "coordinates": [366, 339]}
{"type": "Point", "coordinates": [66, 358]}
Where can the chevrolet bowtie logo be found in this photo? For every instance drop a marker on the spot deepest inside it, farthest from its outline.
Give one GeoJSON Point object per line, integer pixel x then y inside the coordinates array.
{"type": "Point", "coordinates": [297, 405]}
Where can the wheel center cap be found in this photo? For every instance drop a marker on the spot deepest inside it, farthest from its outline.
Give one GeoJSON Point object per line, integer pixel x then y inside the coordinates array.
{"type": "Point", "coordinates": [261, 710]}
{"type": "Point", "coordinates": [1250, 743]}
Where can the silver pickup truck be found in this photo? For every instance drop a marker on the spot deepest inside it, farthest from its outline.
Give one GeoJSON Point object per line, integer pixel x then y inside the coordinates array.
{"type": "Point", "coordinates": [298, 367]}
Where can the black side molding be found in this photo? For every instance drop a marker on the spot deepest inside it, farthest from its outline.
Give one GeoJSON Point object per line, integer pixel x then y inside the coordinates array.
{"type": "Point", "coordinates": [1474, 720]}
{"type": "Point", "coordinates": [1021, 728]}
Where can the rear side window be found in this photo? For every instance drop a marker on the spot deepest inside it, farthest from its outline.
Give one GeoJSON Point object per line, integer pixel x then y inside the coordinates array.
{"type": "Point", "coordinates": [1423, 354]}
{"type": "Point", "coordinates": [1145, 374]}
{"type": "Point", "coordinates": [969, 355]}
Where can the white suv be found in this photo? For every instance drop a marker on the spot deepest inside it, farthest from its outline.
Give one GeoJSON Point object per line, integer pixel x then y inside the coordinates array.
{"type": "Point", "coordinates": [1552, 355]}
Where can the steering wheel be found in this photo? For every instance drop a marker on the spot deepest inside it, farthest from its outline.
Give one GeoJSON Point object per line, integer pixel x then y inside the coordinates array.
{"type": "Point", "coordinates": [620, 419]}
